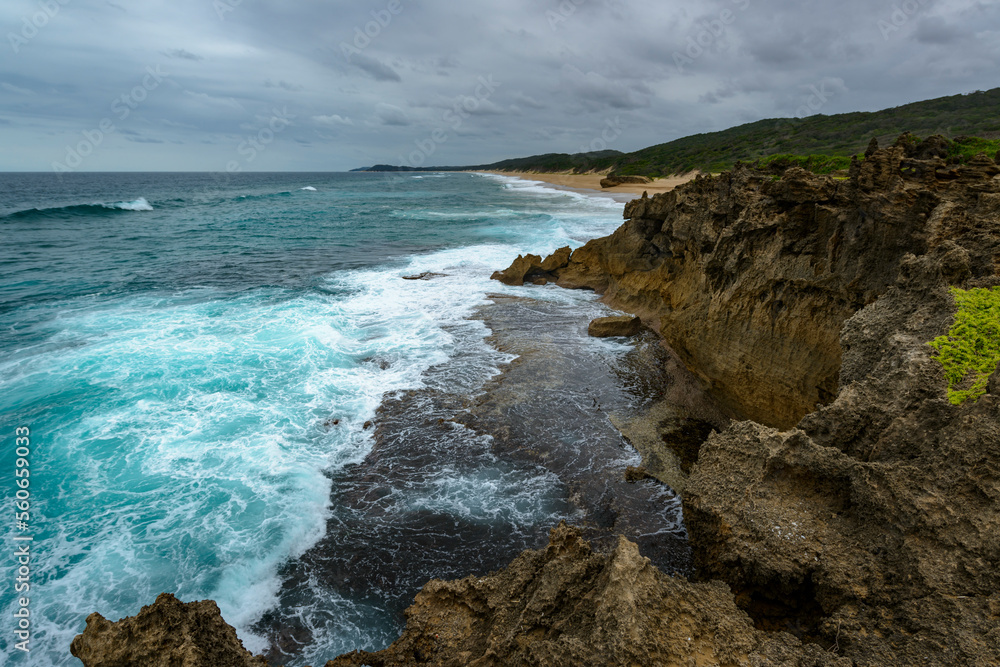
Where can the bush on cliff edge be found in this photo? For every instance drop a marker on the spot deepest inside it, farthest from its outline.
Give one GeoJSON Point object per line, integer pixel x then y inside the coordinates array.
{"type": "Point", "coordinates": [970, 350]}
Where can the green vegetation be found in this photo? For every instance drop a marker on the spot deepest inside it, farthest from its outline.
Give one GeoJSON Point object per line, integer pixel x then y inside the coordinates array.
{"type": "Point", "coordinates": [822, 143]}
{"type": "Point", "coordinates": [965, 148]}
{"type": "Point", "coordinates": [819, 164]}
{"type": "Point", "coordinates": [970, 350]}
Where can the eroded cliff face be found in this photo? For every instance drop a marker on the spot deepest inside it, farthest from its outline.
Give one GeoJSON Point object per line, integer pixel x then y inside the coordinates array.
{"type": "Point", "coordinates": [750, 279]}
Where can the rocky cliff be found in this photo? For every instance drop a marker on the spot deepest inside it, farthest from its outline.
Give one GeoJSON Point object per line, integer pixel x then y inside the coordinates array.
{"type": "Point", "coordinates": [807, 302]}
{"type": "Point", "coordinates": [750, 278]}
{"type": "Point", "coordinates": [855, 520]}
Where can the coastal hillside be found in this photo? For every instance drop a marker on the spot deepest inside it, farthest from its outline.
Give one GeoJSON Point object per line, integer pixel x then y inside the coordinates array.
{"type": "Point", "coordinates": [820, 143]}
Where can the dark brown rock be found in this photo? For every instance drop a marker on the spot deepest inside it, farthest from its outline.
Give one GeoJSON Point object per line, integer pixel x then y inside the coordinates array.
{"type": "Point", "coordinates": [636, 474]}
{"type": "Point", "coordinates": [617, 325]}
{"type": "Point", "coordinates": [612, 180]}
{"type": "Point", "coordinates": [521, 268]}
{"type": "Point", "coordinates": [557, 260]}
{"type": "Point", "coordinates": [167, 633]}
{"type": "Point", "coordinates": [994, 385]}
{"type": "Point", "coordinates": [565, 606]}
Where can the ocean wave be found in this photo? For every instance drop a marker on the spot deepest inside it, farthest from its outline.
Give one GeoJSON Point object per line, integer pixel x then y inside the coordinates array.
{"type": "Point", "coordinates": [96, 208]}
{"type": "Point", "coordinates": [309, 188]}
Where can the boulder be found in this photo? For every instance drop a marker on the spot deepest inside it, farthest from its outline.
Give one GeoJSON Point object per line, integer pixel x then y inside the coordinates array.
{"type": "Point", "coordinates": [611, 181]}
{"type": "Point", "coordinates": [167, 633]}
{"type": "Point", "coordinates": [618, 325]}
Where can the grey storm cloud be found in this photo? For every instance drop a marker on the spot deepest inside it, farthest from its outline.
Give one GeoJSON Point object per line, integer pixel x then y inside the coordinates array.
{"type": "Point", "coordinates": [360, 82]}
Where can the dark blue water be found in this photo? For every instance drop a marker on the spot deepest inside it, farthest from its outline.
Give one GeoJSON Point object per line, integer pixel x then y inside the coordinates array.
{"type": "Point", "coordinates": [179, 344]}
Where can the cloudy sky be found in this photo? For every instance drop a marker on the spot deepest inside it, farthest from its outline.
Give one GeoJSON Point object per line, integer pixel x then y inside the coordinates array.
{"type": "Point", "coordinates": [271, 85]}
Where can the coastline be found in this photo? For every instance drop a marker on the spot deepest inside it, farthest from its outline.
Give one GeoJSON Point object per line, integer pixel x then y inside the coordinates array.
{"type": "Point", "coordinates": [801, 522]}
{"type": "Point", "coordinates": [591, 183]}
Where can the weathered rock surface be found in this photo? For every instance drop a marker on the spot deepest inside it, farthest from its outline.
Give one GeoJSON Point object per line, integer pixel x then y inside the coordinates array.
{"type": "Point", "coordinates": [875, 523]}
{"type": "Point", "coordinates": [167, 633]}
{"type": "Point", "coordinates": [616, 325]}
{"type": "Point", "coordinates": [612, 181]}
{"type": "Point", "coordinates": [750, 279]}
{"type": "Point", "coordinates": [565, 605]}
{"type": "Point", "coordinates": [871, 526]}
{"type": "Point", "coordinates": [533, 268]}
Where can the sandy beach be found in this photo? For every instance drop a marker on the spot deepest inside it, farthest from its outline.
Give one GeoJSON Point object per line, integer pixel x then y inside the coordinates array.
{"type": "Point", "coordinates": [593, 182]}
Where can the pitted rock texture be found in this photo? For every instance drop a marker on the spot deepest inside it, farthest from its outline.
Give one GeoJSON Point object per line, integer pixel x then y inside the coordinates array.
{"type": "Point", "coordinates": [616, 325]}
{"type": "Point", "coordinates": [876, 522]}
{"type": "Point", "coordinates": [167, 633]}
{"type": "Point", "coordinates": [565, 606]}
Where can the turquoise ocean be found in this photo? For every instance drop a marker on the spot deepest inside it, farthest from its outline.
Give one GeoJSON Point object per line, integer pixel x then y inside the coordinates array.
{"type": "Point", "coordinates": [196, 358]}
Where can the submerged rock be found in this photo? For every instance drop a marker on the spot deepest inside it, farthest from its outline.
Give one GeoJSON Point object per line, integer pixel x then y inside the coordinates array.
{"type": "Point", "coordinates": [617, 325]}
{"type": "Point", "coordinates": [167, 633]}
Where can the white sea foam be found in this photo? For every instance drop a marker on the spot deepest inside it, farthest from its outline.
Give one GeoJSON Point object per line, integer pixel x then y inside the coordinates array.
{"type": "Point", "coordinates": [309, 187]}
{"type": "Point", "coordinates": [139, 204]}
{"type": "Point", "coordinates": [195, 425]}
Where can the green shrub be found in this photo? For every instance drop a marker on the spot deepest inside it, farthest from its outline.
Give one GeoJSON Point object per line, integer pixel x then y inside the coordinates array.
{"type": "Point", "coordinates": [970, 350]}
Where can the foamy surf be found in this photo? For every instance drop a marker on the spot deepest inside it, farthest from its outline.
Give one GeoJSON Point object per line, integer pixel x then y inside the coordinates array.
{"type": "Point", "coordinates": [203, 407]}
{"type": "Point", "coordinates": [139, 204]}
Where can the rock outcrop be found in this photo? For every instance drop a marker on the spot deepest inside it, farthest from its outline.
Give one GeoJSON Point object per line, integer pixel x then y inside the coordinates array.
{"type": "Point", "coordinates": [616, 325]}
{"type": "Point", "coordinates": [167, 633]}
{"type": "Point", "coordinates": [565, 605]}
{"type": "Point", "coordinates": [750, 279]}
{"type": "Point", "coordinates": [611, 180]}
{"type": "Point", "coordinates": [871, 524]}
{"type": "Point", "coordinates": [533, 268]}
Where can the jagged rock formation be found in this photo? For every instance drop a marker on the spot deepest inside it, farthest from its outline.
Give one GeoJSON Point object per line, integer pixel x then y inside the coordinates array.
{"type": "Point", "coordinates": [167, 633]}
{"type": "Point", "coordinates": [532, 267]}
{"type": "Point", "coordinates": [750, 279]}
{"type": "Point", "coordinates": [567, 606]}
{"type": "Point", "coordinates": [872, 525]}
{"type": "Point", "coordinates": [616, 325]}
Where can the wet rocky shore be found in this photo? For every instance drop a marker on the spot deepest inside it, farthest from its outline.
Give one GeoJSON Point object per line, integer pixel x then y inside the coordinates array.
{"type": "Point", "coordinates": [839, 510]}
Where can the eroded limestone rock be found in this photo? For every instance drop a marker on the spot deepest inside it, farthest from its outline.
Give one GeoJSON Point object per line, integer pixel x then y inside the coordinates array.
{"type": "Point", "coordinates": [167, 633]}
